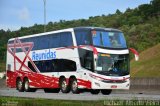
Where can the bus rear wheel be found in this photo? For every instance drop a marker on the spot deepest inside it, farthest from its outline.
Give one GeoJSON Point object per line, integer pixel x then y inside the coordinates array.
{"type": "Point", "coordinates": [74, 86]}
{"type": "Point", "coordinates": [63, 86]}
{"type": "Point", "coordinates": [19, 85]}
{"type": "Point", "coordinates": [106, 91]}
{"type": "Point", "coordinates": [26, 86]}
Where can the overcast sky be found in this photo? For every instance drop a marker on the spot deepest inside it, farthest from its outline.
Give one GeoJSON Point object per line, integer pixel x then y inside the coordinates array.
{"type": "Point", "coordinates": [23, 13]}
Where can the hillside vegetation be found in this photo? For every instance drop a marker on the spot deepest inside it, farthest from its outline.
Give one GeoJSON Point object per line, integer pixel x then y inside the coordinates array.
{"type": "Point", "coordinates": [148, 65]}
{"type": "Point", "coordinates": [141, 27]}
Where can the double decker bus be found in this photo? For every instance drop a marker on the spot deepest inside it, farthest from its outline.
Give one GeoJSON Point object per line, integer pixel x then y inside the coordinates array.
{"type": "Point", "coordinates": [71, 59]}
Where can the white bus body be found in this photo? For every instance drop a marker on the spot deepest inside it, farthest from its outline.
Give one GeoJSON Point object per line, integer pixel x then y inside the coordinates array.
{"type": "Point", "coordinates": [69, 59]}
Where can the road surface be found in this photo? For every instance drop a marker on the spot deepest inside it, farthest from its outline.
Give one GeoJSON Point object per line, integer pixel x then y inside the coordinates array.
{"type": "Point", "coordinates": [82, 96]}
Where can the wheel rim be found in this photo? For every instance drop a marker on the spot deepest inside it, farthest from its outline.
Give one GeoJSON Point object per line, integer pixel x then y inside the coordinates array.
{"type": "Point", "coordinates": [74, 85]}
{"type": "Point", "coordinates": [26, 85]}
{"type": "Point", "coordinates": [64, 85]}
{"type": "Point", "coordinates": [19, 85]}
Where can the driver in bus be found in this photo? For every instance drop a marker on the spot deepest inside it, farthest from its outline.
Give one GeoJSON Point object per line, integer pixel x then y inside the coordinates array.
{"type": "Point", "coordinates": [113, 41]}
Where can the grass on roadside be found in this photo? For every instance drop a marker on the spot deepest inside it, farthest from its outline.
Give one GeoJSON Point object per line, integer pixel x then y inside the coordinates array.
{"type": "Point", "coordinates": [148, 64]}
{"type": "Point", "coordinates": [15, 101]}
{"type": "Point", "coordinates": [2, 66]}
{"type": "Point", "coordinates": [45, 102]}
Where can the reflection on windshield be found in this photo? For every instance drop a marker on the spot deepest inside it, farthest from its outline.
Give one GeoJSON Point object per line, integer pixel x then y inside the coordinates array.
{"type": "Point", "coordinates": [108, 39]}
{"type": "Point", "coordinates": [116, 65]}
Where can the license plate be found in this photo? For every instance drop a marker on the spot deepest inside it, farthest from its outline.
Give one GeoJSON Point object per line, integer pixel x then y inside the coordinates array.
{"type": "Point", "coordinates": [114, 86]}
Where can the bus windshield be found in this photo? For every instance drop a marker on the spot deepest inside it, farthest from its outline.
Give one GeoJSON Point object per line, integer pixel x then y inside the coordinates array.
{"type": "Point", "coordinates": [108, 39]}
{"type": "Point", "coordinates": [112, 64]}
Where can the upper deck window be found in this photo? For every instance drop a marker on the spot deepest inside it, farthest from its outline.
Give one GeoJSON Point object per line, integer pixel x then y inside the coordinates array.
{"type": "Point", "coordinates": [83, 37]}
{"type": "Point", "coordinates": [62, 39]}
{"type": "Point", "coordinates": [108, 39]}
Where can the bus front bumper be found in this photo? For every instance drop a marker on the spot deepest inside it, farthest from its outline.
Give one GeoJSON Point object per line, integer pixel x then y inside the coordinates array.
{"type": "Point", "coordinates": [110, 85]}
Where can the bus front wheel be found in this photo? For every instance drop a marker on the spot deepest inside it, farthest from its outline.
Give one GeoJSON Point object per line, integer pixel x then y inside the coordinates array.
{"type": "Point", "coordinates": [95, 91]}
{"type": "Point", "coordinates": [106, 91]}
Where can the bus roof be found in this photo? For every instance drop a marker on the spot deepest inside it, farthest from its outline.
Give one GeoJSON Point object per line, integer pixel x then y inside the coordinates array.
{"type": "Point", "coordinates": [98, 28]}
{"type": "Point", "coordinates": [41, 34]}
{"type": "Point", "coordinates": [64, 30]}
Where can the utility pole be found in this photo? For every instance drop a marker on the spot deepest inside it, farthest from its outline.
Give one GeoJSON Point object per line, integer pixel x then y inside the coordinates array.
{"type": "Point", "coordinates": [44, 15]}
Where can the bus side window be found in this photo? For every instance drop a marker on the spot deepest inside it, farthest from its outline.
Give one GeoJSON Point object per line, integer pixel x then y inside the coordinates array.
{"type": "Point", "coordinates": [56, 65]}
{"type": "Point", "coordinates": [63, 65]}
{"type": "Point", "coordinates": [68, 65]}
{"type": "Point", "coordinates": [66, 39]}
{"type": "Point", "coordinates": [48, 66]}
{"type": "Point", "coordinates": [86, 59]}
{"type": "Point", "coordinates": [82, 37]}
{"type": "Point", "coordinates": [54, 40]}
{"type": "Point", "coordinates": [31, 67]}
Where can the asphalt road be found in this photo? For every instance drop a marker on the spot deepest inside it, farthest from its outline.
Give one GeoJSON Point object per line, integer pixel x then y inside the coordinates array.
{"type": "Point", "coordinates": [120, 95]}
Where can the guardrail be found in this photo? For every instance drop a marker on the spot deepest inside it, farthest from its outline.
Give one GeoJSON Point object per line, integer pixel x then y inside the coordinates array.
{"type": "Point", "coordinates": [145, 83]}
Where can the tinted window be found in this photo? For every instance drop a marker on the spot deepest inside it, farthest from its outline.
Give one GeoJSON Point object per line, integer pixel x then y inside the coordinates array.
{"type": "Point", "coordinates": [18, 50]}
{"type": "Point", "coordinates": [44, 66]}
{"type": "Point", "coordinates": [31, 66]}
{"type": "Point", "coordinates": [66, 39]}
{"type": "Point", "coordinates": [55, 65]}
{"type": "Point", "coordinates": [86, 59]}
{"type": "Point", "coordinates": [54, 41]}
{"type": "Point", "coordinates": [63, 39]}
{"type": "Point", "coordinates": [108, 39]}
{"type": "Point", "coordinates": [83, 37]}
{"type": "Point", "coordinates": [68, 65]}
{"type": "Point", "coordinates": [112, 64]}
{"type": "Point", "coordinates": [10, 42]}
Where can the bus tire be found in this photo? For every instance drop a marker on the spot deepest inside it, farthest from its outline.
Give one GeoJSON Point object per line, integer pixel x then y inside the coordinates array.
{"type": "Point", "coordinates": [49, 90]}
{"type": "Point", "coordinates": [95, 91]}
{"type": "Point", "coordinates": [63, 86]}
{"type": "Point", "coordinates": [74, 86]}
{"type": "Point", "coordinates": [19, 85]}
{"type": "Point", "coordinates": [106, 91]}
{"type": "Point", "coordinates": [26, 86]}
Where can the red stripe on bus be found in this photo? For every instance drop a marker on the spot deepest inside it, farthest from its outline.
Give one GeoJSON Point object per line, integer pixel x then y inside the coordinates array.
{"type": "Point", "coordinates": [109, 79]}
{"type": "Point", "coordinates": [72, 47]}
